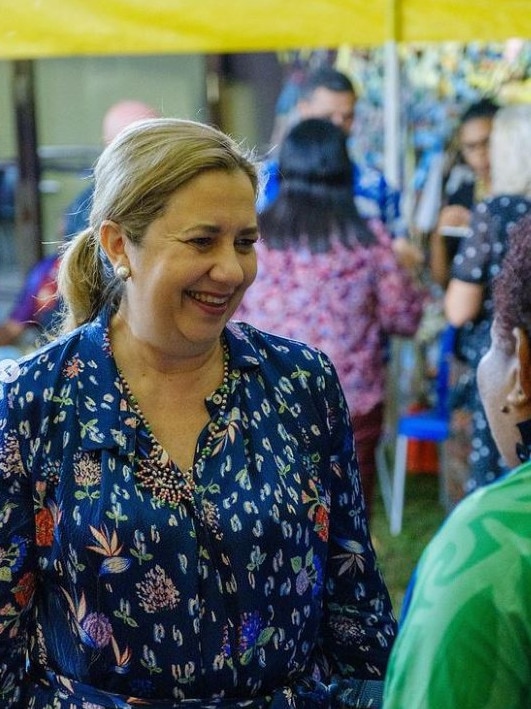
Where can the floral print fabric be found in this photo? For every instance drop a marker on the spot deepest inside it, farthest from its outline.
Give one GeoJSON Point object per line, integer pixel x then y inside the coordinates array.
{"type": "Point", "coordinates": [345, 301]}
{"type": "Point", "coordinates": [253, 583]}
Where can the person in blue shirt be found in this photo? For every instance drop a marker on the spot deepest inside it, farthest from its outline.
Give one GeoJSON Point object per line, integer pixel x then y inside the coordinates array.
{"type": "Point", "coordinates": [329, 94]}
{"type": "Point", "coordinates": [34, 309]}
{"type": "Point", "coordinates": [181, 515]}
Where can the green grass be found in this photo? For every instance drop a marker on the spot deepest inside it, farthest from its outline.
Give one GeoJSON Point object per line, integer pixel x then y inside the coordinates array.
{"type": "Point", "coordinates": [422, 517]}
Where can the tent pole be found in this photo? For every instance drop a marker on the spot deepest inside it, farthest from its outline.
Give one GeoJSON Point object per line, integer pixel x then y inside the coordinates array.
{"type": "Point", "coordinates": [391, 104]}
{"type": "Point", "coordinates": [391, 99]}
{"type": "Point", "coordinates": [28, 225]}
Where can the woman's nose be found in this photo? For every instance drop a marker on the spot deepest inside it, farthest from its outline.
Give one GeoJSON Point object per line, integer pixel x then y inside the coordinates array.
{"type": "Point", "coordinates": [227, 267]}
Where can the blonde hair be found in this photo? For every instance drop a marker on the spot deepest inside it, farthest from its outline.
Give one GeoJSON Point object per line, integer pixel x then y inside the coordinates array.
{"type": "Point", "coordinates": [134, 178]}
{"type": "Point", "coordinates": [510, 150]}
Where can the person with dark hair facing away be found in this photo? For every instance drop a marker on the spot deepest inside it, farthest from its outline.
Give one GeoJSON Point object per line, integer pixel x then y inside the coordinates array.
{"type": "Point", "coordinates": [180, 510]}
{"type": "Point", "coordinates": [330, 278]}
{"type": "Point", "coordinates": [465, 640]}
{"type": "Point", "coordinates": [330, 95]}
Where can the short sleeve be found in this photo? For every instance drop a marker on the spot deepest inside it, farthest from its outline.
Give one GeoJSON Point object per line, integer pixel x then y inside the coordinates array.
{"type": "Point", "coordinates": [475, 252]}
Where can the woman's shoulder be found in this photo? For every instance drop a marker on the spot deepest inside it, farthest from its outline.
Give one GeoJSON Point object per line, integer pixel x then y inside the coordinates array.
{"type": "Point", "coordinates": [298, 373]}
{"type": "Point", "coordinates": [501, 509]}
{"type": "Point", "coordinates": [505, 204]}
{"type": "Point", "coordinates": [50, 361]}
{"type": "Point", "coordinates": [257, 338]}
{"type": "Point", "coordinates": [262, 346]}
{"type": "Point", "coordinates": [380, 231]}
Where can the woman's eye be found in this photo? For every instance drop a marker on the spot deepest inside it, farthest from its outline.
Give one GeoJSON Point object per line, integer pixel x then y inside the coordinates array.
{"type": "Point", "coordinates": [246, 242]}
{"type": "Point", "coordinates": [201, 241]}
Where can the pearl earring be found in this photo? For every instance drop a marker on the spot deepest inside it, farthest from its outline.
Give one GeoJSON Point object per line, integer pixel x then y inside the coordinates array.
{"type": "Point", "coordinates": [123, 273]}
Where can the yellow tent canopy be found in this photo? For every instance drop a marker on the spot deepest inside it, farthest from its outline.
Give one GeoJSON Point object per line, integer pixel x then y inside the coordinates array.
{"type": "Point", "coordinates": [43, 28]}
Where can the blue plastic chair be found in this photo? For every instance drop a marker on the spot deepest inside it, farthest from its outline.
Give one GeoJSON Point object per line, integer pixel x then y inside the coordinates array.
{"type": "Point", "coordinates": [430, 425]}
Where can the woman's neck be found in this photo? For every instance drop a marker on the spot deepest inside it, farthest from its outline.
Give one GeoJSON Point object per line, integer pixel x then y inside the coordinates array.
{"type": "Point", "coordinates": [135, 354]}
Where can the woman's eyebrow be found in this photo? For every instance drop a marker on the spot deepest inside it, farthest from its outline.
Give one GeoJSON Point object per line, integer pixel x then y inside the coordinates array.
{"type": "Point", "coordinates": [215, 229]}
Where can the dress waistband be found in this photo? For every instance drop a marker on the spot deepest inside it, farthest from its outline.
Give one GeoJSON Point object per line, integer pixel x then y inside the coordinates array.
{"type": "Point", "coordinates": [77, 695]}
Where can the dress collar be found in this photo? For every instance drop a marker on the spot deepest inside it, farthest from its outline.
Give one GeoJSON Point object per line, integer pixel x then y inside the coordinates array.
{"type": "Point", "coordinates": [106, 417]}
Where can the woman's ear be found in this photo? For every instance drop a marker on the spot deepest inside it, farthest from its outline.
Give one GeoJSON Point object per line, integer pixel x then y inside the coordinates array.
{"type": "Point", "coordinates": [521, 393]}
{"type": "Point", "coordinates": [113, 241]}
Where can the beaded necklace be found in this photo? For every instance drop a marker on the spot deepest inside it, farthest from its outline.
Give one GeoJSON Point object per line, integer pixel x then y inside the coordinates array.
{"type": "Point", "coordinates": [154, 469]}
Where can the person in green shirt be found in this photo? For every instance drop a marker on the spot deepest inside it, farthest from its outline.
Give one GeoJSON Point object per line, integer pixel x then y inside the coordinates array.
{"type": "Point", "coordinates": [465, 637]}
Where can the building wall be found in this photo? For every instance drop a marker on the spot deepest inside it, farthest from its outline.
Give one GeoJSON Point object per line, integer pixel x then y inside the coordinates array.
{"type": "Point", "coordinates": [73, 93]}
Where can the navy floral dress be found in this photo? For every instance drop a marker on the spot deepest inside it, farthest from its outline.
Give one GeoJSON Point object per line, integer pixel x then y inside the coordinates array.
{"type": "Point", "coordinates": [248, 581]}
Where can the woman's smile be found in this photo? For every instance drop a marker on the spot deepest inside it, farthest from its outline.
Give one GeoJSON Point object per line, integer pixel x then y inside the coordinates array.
{"type": "Point", "coordinates": [210, 301]}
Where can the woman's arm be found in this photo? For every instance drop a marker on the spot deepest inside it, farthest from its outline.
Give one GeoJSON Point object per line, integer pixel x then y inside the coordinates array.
{"type": "Point", "coordinates": [453, 215]}
{"type": "Point", "coordinates": [359, 627]}
{"type": "Point", "coordinates": [17, 570]}
{"type": "Point", "coordinates": [470, 268]}
{"type": "Point", "coordinates": [462, 301]}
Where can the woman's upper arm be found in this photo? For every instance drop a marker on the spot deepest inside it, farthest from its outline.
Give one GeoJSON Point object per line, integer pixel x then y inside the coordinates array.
{"type": "Point", "coordinates": [471, 268]}
{"type": "Point", "coordinates": [462, 301]}
{"type": "Point", "coordinates": [357, 599]}
{"type": "Point", "coordinates": [17, 567]}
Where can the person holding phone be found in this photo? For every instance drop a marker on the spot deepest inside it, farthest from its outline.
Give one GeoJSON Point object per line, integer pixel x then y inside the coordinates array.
{"type": "Point", "coordinates": [468, 300]}
{"type": "Point", "coordinates": [467, 183]}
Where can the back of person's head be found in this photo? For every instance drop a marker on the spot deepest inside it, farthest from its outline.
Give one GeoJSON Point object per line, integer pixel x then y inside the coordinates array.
{"type": "Point", "coordinates": [122, 114]}
{"type": "Point", "coordinates": [135, 177]}
{"type": "Point", "coordinates": [314, 158]}
{"type": "Point", "coordinates": [510, 150]}
{"type": "Point", "coordinates": [325, 77]}
{"type": "Point", "coordinates": [315, 201]}
{"type": "Point", "coordinates": [512, 294]}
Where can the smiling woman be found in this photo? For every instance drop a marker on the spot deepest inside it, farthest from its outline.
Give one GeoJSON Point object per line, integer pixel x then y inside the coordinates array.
{"type": "Point", "coordinates": [189, 272]}
{"type": "Point", "coordinates": [191, 527]}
